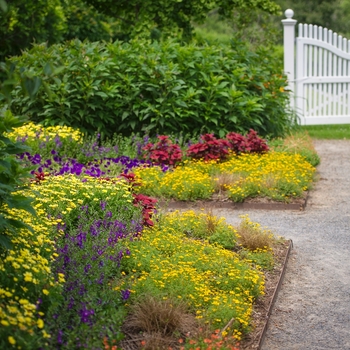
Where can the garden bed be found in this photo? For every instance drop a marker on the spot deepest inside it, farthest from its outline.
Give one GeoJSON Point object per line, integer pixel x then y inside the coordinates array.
{"type": "Point", "coordinates": [217, 271]}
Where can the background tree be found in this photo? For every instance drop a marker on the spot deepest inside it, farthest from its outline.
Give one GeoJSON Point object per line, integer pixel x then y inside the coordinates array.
{"type": "Point", "coordinates": [24, 21]}
{"type": "Point", "coordinates": [331, 14]}
{"type": "Point", "coordinates": [139, 17]}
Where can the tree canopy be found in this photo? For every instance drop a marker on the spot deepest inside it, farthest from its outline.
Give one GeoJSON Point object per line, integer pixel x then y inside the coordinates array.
{"type": "Point", "coordinates": [140, 16]}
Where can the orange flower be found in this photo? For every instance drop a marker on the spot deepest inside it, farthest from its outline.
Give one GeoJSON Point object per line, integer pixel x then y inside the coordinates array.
{"type": "Point", "coordinates": [181, 341]}
{"type": "Point", "coordinates": [192, 341]}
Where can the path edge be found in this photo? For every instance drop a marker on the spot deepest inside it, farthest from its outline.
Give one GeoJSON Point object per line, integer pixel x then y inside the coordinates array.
{"type": "Point", "coordinates": [275, 294]}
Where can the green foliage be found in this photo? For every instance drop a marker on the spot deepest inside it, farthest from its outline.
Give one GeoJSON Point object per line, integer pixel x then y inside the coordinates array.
{"type": "Point", "coordinates": [12, 179]}
{"type": "Point", "coordinates": [84, 22]}
{"type": "Point", "coordinates": [13, 176]}
{"type": "Point", "coordinates": [139, 17]}
{"type": "Point", "coordinates": [255, 27]}
{"type": "Point", "coordinates": [156, 87]}
{"type": "Point", "coordinates": [24, 22]}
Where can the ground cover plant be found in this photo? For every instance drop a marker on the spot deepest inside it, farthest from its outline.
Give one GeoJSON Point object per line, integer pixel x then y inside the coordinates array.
{"type": "Point", "coordinates": [98, 251]}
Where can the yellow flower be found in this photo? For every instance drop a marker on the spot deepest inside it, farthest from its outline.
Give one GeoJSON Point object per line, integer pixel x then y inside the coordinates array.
{"type": "Point", "coordinates": [40, 323]}
{"type": "Point", "coordinates": [11, 340]}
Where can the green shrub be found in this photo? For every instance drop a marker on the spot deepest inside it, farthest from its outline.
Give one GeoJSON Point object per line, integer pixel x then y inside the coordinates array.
{"type": "Point", "coordinates": [157, 88]}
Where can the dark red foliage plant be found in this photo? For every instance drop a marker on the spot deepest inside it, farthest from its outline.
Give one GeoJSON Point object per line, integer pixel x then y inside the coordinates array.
{"type": "Point", "coordinates": [251, 143]}
{"type": "Point", "coordinates": [210, 148]}
{"type": "Point", "coordinates": [164, 152]}
{"type": "Point", "coordinates": [148, 205]}
{"type": "Point", "coordinates": [255, 144]}
{"type": "Point", "coordinates": [130, 179]}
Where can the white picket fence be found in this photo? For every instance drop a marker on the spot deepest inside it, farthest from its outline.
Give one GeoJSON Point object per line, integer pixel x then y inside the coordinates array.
{"type": "Point", "coordinates": [318, 73]}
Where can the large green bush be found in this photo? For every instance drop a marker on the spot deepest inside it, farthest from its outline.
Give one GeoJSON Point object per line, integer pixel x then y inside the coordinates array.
{"type": "Point", "coordinates": [157, 88]}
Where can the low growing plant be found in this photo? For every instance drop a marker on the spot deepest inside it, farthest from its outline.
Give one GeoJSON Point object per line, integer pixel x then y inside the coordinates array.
{"type": "Point", "coordinates": [163, 152]}
{"type": "Point", "coordinates": [210, 148]}
{"type": "Point", "coordinates": [251, 143]}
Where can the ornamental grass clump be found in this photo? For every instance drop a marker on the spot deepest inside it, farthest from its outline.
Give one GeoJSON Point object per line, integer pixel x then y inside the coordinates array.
{"type": "Point", "coordinates": [157, 324]}
{"type": "Point", "coordinates": [297, 143]}
{"type": "Point", "coordinates": [251, 236]}
{"type": "Point", "coordinates": [203, 226]}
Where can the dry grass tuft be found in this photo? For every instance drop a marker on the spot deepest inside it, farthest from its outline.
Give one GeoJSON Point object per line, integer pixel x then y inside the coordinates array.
{"type": "Point", "coordinates": [251, 236]}
{"type": "Point", "coordinates": [224, 180]}
{"type": "Point", "coordinates": [157, 324]}
{"type": "Point", "coordinates": [211, 221]}
{"type": "Point", "coordinates": [299, 141]}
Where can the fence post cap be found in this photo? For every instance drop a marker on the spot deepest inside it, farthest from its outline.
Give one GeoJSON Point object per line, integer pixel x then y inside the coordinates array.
{"type": "Point", "coordinates": [289, 13]}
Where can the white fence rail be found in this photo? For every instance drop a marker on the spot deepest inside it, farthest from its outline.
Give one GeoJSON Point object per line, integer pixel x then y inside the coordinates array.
{"type": "Point", "coordinates": [318, 73]}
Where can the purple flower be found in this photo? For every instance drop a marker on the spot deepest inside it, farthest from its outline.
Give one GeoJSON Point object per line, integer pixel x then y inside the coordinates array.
{"type": "Point", "coordinates": [125, 294]}
{"type": "Point", "coordinates": [87, 268]}
{"type": "Point", "coordinates": [86, 315]}
{"type": "Point", "coordinates": [80, 239]}
{"type": "Point", "coordinates": [103, 205]}
{"type": "Point", "coordinates": [58, 141]}
{"type": "Point", "coordinates": [59, 337]}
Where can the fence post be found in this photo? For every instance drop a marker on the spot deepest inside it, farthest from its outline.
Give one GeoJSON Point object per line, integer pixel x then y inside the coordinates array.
{"type": "Point", "coordinates": [289, 58]}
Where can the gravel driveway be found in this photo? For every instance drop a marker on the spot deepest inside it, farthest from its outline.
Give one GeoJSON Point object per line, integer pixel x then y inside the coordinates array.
{"type": "Point", "coordinates": [312, 311]}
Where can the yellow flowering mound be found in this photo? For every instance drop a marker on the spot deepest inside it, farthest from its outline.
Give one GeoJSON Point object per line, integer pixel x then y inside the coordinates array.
{"type": "Point", "coordinates": [180, 183]}
{"type": "Point", "coordinates": [276, 175]}
{"type": "Point", "coordinates": [214, 282]}
{"type": "Point", "coordinates": [39, 132]}
{"type": "Point", "coordinates": [27, 281]}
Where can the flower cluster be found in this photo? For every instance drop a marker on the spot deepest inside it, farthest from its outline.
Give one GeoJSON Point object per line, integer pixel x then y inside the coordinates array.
{"type": "Point", "coordinates": [32, 132]}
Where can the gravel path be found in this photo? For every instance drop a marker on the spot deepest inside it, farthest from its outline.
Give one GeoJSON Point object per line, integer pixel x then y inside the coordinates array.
{"type": "Point", "coordinates": [312, 311]}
